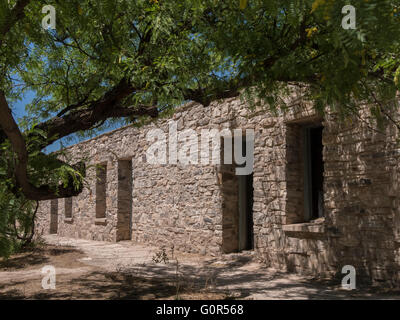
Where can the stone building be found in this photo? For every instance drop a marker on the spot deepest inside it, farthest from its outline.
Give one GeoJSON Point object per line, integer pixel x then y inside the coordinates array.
{"type": "Point", "coordinates": [323, 192]}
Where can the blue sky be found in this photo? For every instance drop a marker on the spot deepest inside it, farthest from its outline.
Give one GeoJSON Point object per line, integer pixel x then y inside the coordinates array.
{"type": "Point", "coordinates": [19, 107]}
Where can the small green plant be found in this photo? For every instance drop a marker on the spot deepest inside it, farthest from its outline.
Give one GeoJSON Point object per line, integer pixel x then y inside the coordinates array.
{"type": "Point", "coordinates": [161, 256]}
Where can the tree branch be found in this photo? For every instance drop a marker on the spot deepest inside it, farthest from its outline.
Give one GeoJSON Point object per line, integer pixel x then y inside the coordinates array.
{"type": "Point", "coordinates": [17, 140]}
{"type": "Point", "coordinates": [16, 14]}
{"type": "Point", "coordinates": [109, 106]}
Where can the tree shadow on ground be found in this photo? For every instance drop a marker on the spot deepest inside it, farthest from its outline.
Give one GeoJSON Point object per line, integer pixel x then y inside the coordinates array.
{"type": "Point", "coordinates": [245, 284]}
{"type": "Point", "coordinates": [112, 286]}
{"type": "Point", "coordinates": [25, 260]}
{"type": "Point", "coordinates": [211, 279]}
{"type": "Point", "coordinates": [36, 256]}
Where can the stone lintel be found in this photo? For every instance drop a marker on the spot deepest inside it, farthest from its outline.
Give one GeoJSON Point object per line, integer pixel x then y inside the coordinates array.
{"type": "Point", "coordinates": [100, 221]}
{"type": "Point", "coordinates": [316, 228]}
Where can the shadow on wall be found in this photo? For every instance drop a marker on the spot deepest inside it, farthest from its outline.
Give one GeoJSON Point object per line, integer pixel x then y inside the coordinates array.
{"type": "Point", "coordinates": [360, 202]}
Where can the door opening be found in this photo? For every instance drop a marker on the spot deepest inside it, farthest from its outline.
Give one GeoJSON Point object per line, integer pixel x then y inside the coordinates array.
{"type": "Point", "coordinates": [246, 212]}
{"type": "Point", "coordinates": [237, 215]}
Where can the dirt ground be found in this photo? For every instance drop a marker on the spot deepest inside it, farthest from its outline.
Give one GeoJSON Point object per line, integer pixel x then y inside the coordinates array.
{"type": "Point", "coordinates": [21, 278]}
{"type": "Point", "coordinates": [102, 270]}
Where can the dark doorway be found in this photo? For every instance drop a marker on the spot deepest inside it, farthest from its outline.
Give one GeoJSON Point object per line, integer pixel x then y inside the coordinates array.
{"type": "Point", "coordinates": [237, 216]}
{"type": "Point", "coordinates": [314, 173]}
{"type": "Point", "coordinates": [246, 212]}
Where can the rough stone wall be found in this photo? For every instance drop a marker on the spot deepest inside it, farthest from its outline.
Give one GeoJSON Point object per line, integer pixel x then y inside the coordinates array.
{"type": "Point", "coordinates": [361, 161]}
{"type": "Point", "coordinates": [186, 206]}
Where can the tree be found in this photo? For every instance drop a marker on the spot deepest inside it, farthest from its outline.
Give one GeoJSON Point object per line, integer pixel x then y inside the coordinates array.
{"type": "Point", "coordinates": [123, 60]}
